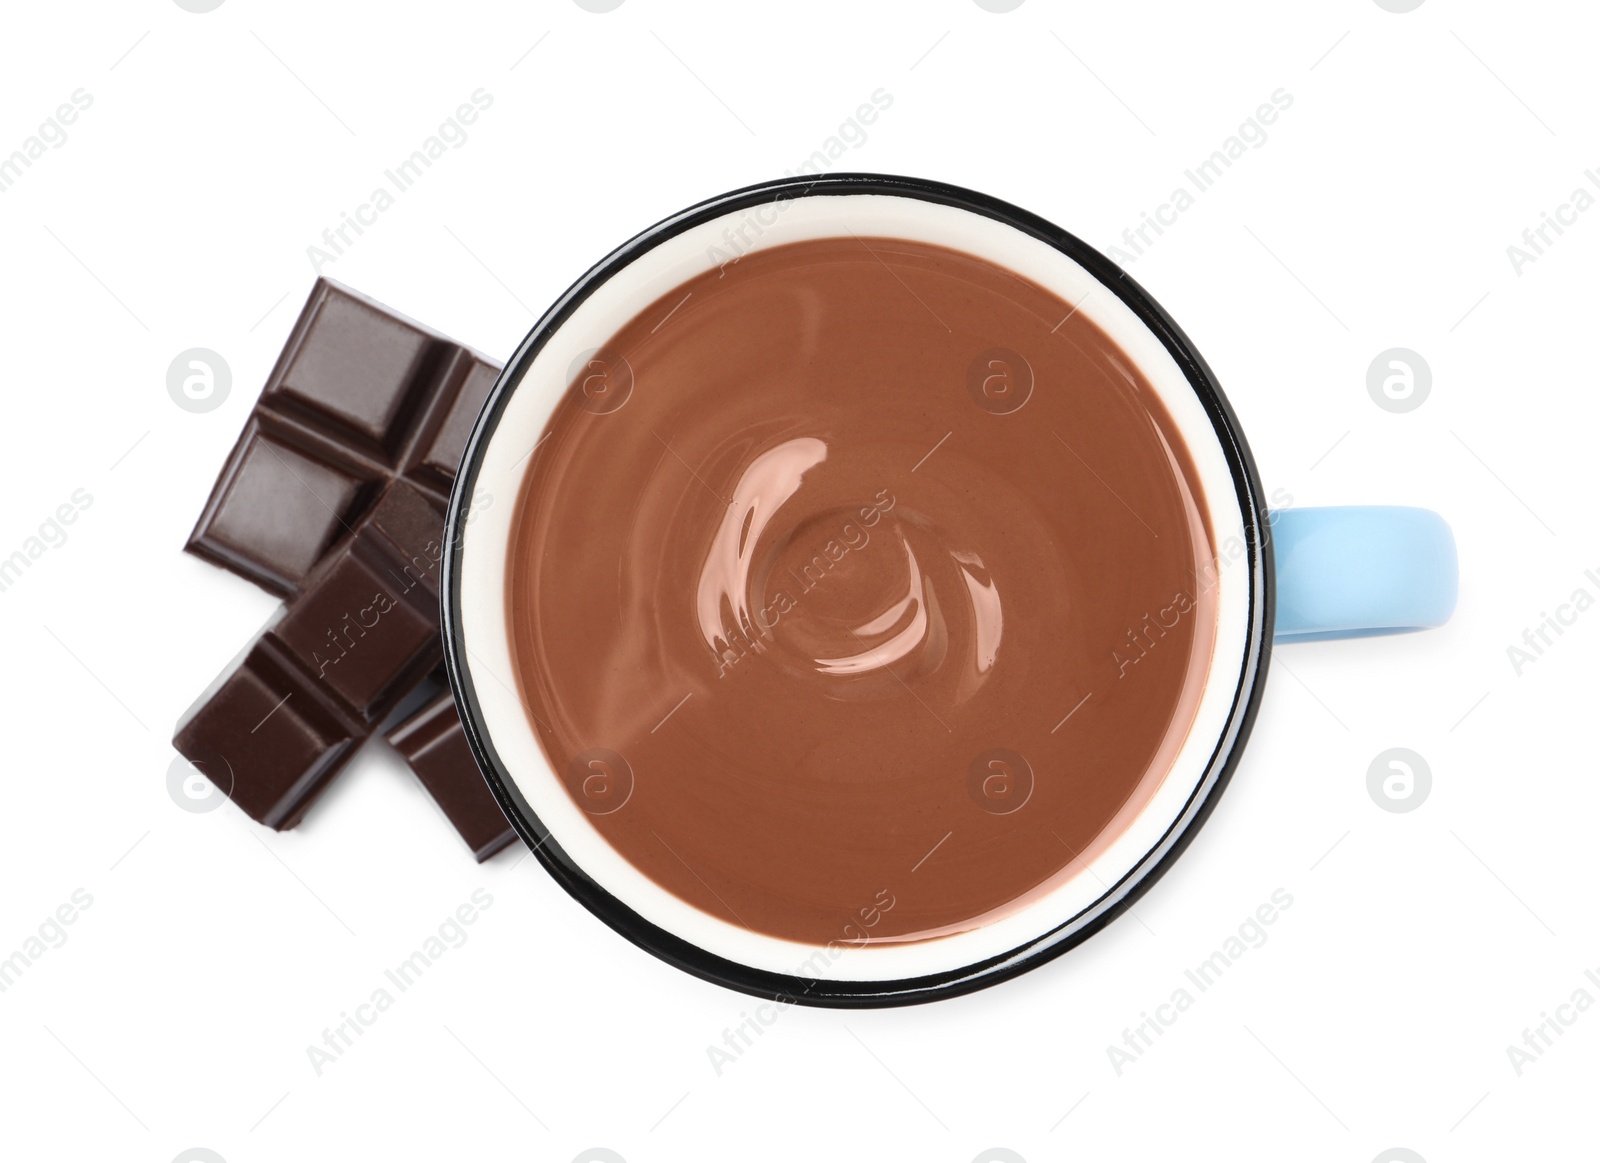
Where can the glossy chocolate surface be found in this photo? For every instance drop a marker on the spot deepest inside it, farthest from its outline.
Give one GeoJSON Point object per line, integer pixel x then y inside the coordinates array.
{"type": "Point", "coordinates": [860, 570]}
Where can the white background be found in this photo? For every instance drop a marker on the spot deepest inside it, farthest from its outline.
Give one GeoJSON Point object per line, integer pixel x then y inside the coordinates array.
{"type": "Point", "coordinates": [1419, 945]}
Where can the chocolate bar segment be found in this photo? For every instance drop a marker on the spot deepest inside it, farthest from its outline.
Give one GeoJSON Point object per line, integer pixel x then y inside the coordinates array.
{"type": "Point", "coordinates": [360, 396]}
{"type": "Point", "coordinates": [373, 611]}
{"type": "Point", "coordinates": [264, 738]}
{"type": "Point", "coordinates": [275, 510]}
{"type": "Point", "coordinates": [359, 371]}
{"type": "Point", "coordinates": [438, 457]}
{"type": "Point", "coordinates": [434, 743]}
{"type": "Point", "coordinates": [321, 677]}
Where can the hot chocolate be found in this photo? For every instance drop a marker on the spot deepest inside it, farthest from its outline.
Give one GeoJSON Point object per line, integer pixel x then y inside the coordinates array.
{"type": "Point", "coordinates": [859, 590]}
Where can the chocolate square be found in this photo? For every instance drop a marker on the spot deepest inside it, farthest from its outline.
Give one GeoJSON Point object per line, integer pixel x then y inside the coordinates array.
{"type": "Point", "coordinates": [359, 369]}
{"type": "Point", "coordinates": [441, 452]}
{"type": "Point", "coordinates": [434, 743]}
{"type": "Point", "coordinates": [266, 739]}
{"type": "Point", "coordinates": [358, 633]}
{"type": "Point", "coordinates": [276, 510]}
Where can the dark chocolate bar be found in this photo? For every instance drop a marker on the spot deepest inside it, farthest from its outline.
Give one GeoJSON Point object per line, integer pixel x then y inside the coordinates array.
{"type": "Point", "coordinates": [360, 396]}
{"type": "Point", "coordinates": [434, 743]}
{"type": "Point", "coordinates": [322, 676]}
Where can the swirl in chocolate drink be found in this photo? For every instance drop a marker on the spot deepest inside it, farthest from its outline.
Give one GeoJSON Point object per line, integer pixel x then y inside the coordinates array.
{"type": "Point", "coordinates": [860, 570]}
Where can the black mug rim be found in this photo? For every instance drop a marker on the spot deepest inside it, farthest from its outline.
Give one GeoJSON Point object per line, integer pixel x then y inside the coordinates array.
{"type": "Point", "coordinates": [1119, 897]}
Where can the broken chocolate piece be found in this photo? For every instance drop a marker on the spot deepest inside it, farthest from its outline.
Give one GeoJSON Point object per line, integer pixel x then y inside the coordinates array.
{"type": "Point", "coordinates": [434, 743]}
{"type": "Point", "coordinates": [360, 396]}
{"type": "Point", "coordinates": [329, 668]}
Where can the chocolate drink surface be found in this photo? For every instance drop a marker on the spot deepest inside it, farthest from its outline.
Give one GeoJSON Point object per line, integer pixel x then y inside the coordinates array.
{"type": "Point", "coordinates": [857, 591]}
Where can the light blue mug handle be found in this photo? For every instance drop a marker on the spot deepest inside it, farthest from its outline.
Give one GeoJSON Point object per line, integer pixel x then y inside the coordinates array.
{"type": "Point", "coordinates": [1350, 571]}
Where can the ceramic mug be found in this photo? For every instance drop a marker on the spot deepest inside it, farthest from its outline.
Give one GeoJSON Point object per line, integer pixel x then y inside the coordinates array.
{"type": "Point", "coordinates": [1296, 573]}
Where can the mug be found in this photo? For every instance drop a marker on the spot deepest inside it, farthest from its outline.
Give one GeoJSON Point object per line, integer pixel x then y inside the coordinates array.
{"type": "Point", "coordinates": [1293, 574]}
